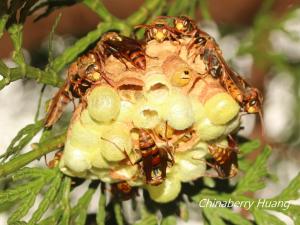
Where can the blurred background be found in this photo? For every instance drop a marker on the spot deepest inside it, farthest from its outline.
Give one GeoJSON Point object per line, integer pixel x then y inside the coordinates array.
{"type": "Point", "coordinates": [259, 39]}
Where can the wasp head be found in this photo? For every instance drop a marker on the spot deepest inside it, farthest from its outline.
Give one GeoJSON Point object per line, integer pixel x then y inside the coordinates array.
{"type": "Point", "coordinates": [253, 101]}
{"type": "Point", "coordinates": [182, 23]}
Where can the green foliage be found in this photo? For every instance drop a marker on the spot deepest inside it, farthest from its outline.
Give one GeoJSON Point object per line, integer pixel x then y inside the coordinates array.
{"type": "Point", "coordinates": [23, 137]}
{"type": "Point", "coordinates": [169, 220]}
{"type": "Point", "coordinates": [253, 179]}
{"type": "Point", "coordinates": [100, 218]}
{"type": "Point", "coordinates": [79, 211]}
{"type": "Point", "coordinates": [250, 182]}
{"type": "Point", "coordinates": [56, 189]}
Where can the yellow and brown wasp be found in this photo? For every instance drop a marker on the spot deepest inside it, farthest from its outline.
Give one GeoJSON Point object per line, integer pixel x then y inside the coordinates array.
{"type": "Point", "coordinates": [124, 48]}
{"type": "Point", "coordinates": [205, 46]}
{"type": "Point", "coordinates": [88, 70]}
{"type": "Point", "coordinates": [159, 30]}
{"type": "Point", "coordinates": [183, 25]}
{"type": "Point", "coordinates": [82, 74]}
{"type": "Point", "coordinates": [154, 158]}
{"type": "Point", "coordinates": [224, 159]}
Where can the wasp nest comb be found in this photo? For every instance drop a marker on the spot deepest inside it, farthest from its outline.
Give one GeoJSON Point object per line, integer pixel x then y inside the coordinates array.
{"type": "Point", "coordinates": [149, 113]}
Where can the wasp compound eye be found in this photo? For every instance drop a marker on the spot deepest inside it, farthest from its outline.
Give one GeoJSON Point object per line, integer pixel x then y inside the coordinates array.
{"type": "Point", "coordinates": [253, 102]}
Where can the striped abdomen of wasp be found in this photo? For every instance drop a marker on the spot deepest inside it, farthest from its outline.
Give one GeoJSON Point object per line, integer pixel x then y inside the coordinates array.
{"type": "Point", "coordinates": [154, 159]}
{"type": "Point", "coordinates": [122, 190]}
{"type": "Point", "coordinates": [123, 48]}
{"type": "Point", "coordinates": [82, 74]}
{"type": "Point", "coordinates": [159, 30]}
{"type": "Point", "coordinates": [225, 159]}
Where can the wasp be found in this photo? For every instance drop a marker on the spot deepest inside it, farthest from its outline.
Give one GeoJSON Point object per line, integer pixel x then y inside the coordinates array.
{"type": "Point", "coordinates": [225, 159]}
{"type": "Point", "coordinates": [124, 48]}
{"type": "Point", "coordinates": [159, 30]}
{"type": "Point", "coordinates": [183, 25]}
{"type": "Point", "coordinates": [249, 98]}
{"type": "Point", "coordinates": [88, 70]}
{"type": "Point", "coordinates": [122, 190]}
{"type": "Point", "coordinates": [82, 74]}
{"type": "Point", "coordinates": [154, 159]}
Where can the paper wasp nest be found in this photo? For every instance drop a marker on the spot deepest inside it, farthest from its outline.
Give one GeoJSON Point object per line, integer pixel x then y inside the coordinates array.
{"type": "Point", "coordinates": [172, 98]}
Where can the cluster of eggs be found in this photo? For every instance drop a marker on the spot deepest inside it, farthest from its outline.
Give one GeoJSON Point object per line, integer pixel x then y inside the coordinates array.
{"type": "Point", "coordinates": [177, 100]}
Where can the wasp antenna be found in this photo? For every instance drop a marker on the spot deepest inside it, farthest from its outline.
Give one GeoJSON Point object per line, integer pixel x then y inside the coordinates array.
{"type": "Point", "coordinates": [165, 17]}
{"type": "Point", "coordinates": [141, 26]}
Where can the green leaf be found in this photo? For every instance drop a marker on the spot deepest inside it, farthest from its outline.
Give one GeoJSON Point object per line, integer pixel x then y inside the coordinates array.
{"type": "Point", "coordinates": [204, 9]}
{"type": "Point", "coordinates": [183, 211]}
{"type": "Point", "coordinates": [23, 137]}
{"type": "Point", "coordinates": [100, 218]}
{"type": "Point", "coordinates": [146, 10]}
{"type": "Point", "coordinates": [52, 32]}
{"type": "Point", "coordinates": [15, 32]}
{"type": "Point", "coordinates": [264, 218]}
{"type": "Point", "coordinates": [31, 173]}
{"type": "Point", "coordinates": [253, 179]}
{"type": "Point", "coordinates": [23, 208]}
{"type": "Point", "coordinates": [229, 215]}
{"type": "Point", "coordinates": [292, 212]}
{"type": "Point", "coordinates": [65, 201]}
{"type": "Point", "coordinates": [169, 220]}
{"type": "Point", "coordinates": [210, 214]}
{"type": "Point", "coordinates": [4, 70]}
{"type": "Point", "coordinates": [53, 219]}
{"type": "Point", "coordinates": [99, 8]}
{"type": "Point", "coordinates": [249, 146]}
{"type": "Point", "coordinates": [147, 220]}
{"type": "Point", "coordinates": [79, 212]}
{"type": "Point", "coordinates": [192, 8]}
{"type": "Point", "coordinates": [118, 213]}
{"type": "Point", "coordinates": [72, 52]}
{"type": "Point", "coordinates": [3, 21]}
{"type": "Point", "coordinates": [47, 200]}
{"type": "Point", "coordinates": [20, 191]}
{"type": "Point", "coordinates": [40, 150]}
{"type": "Point", "coordinates": [291, 192]}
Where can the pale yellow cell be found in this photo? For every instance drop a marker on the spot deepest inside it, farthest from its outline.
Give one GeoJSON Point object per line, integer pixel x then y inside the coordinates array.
{"type": "Point", "coordinates": [178, 111]}
{"type": "Point", "coordinates": [145, 115]}
{"type": "Point", "coordinates": [207, 131]}
{"type": "Point", "coordinates": [115, 141]}
{"type": "Point", "coordinates": [103, 104]}
{"type": "Point", "coordinates": [221, 108]}
{"type": "Point", "coordinates": [165, 192]}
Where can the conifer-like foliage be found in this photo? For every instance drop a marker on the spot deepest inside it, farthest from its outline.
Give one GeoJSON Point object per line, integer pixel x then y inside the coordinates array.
{"type": "Point", "coordinates": [22, 185]}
